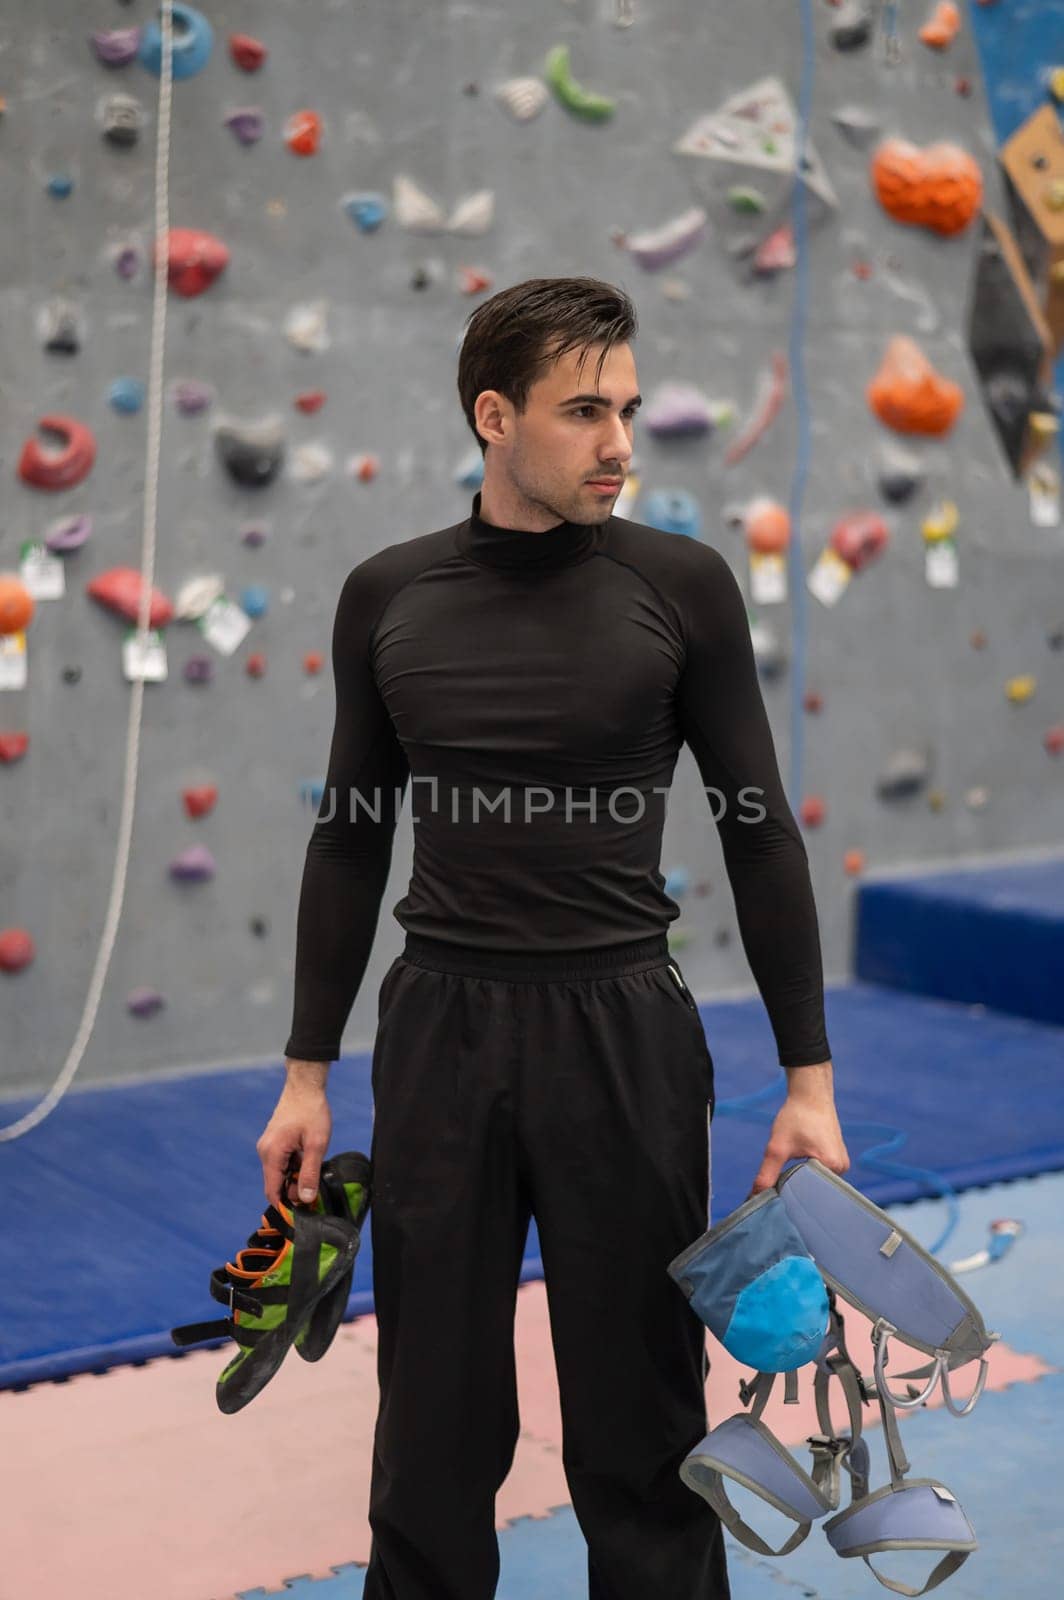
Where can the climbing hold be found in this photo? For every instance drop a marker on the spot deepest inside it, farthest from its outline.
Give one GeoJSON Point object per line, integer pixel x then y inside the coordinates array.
{"type": "Point", "coordinates": [907, 394]}
{"type": "Point", "coordinates": [194, 865]}
{"type": "Point", "coordinates": [963, 87]}
{"type": "Point", "coordinates": [905, 773]}
{"type": "Point", "coordinates": [813, 702]}
{"type": "Point", "coordinates": [581, 102]}
{"type": "Point", "coordinates": [310, 793]}
{"type": "Point", "coordinates": [200, 800]}
{"type": "Point", "coordinates": [745, 200]}
{"type": "Point", "coordinates": [254, 535]}
{"type": "Point", "coordinates": [255, 600]}
{"type": "Point", "coordinates": [977, 639]}
{"type": "Point", "coordinates": [859, 537]}
{"type": "Point", "coordinates": [195, 259]}
{"type": "Point", "coordinates": [857, 124]}
{"type": "Point", "coordinates": [144, 1002]}
{"type": "Point", "coordinates": [660, 247]}
{"type": "Point", "coordinates": [195, 598]}
{"type": "Point", "coordinates": [71, 674]}
{"type": "Point", "coordinates": [414, 209]}
{"type": "Point", "coordinates": [16, 604]}
{"type": "Point", "coordinates": [976, 798]}
{"type": "Point", "coordinates": [116, 47]}
{"type": "Point", "coordinates": [193, 40]}
{"type": "Point", "coordinates": [259, 926]}
{"type": "Point", "coordinates": [305, 327]}
{"type": "Point", "coordinates": [1021, 688]}
{"type": "Point", "coordinates": [127, 259]}
{"type": "Point", "coordinates": [677, 882]}
{"type": "Point", "coordinates": [60, 185]}
{"type": "Point", "coordinates": [936, 799]}
{"type": "Point", "coordinates": [255, 666]}
{"type": "Point", "coordinates": [523, 98]}
{"type": "Point", "coordinates": [474, 215]}
{"type": "Point", "coordinates": [772, 387]}
{"type": "Point", "coordinates": [901, 476]}
{"type": "Point", "coordinates": [302, 132]}
{"type": "Point", "coordinates": [851, 27]}
{"type": "Point", "coordinates": [60, 325]}
{"type": "Point", "coordinates": [17, 949]}
{"type": "Point", "coordinates": [251, 453]}
{"type": "Point", "coordinates": [367, 210]}
{"type": "Point", "coordinates": [1056, 84]}
{"type": "Point", "coordinates": [247, 53]}
{"type": "Point", "coordinates": [1055, 639]}
{"type": "Point", "coordinates": [119, 589]}
{"type": "Point", "coordinates": [62, 469]}
{"type": "Point", "coordinates": [770, 655]}
{"type": "Point", "coordinates": [677, 409]}
{"type": "Point", "coordinates": [941, 523]}
{"type": "Point", "coordinates": [199, 669]}
{"type": "Point", "coordinates": [247, 124]}
{"type": "Point", "coordinates": [310, 401]}
{"type": "Point", "coordinates": [420, 278]}
{"type": "Point", "coordinates": [122, 119]}
{"type": "Point", "coordinates": [673, 511]}
{"type": "Point", "coordinates": [1053, 739]}
{"type": "Point", "coordinates": [311, 462]}
{"type": "Point", "coordinates": [813, 810]}
{"type": "Point", "coordinates": [940, 187]}
{"type": "Point", "coordinates": [313, 662]}
{"type": "Point", "coordinates": [126, 395]}
{"type": "Point", "coordinates": [190, 396]}
{"type": "Point", "coordinates": [853, 862]}
{"type": "Point", "coordinates": [942, 26]}
{"type": "Point", "coordinates": [364, 467]}
{"type": "Point", "coordinates": [777, 252]}
{"type": "Point", "coordinates": [13, 747]}
{"type": "Point", "coordinates": [767, 525]}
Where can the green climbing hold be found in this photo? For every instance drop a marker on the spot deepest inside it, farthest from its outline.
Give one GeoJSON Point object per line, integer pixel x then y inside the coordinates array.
{"type": "Point", "coordinates": [748, 201]}
{"type": "Point", "coordinates": [582, 102]}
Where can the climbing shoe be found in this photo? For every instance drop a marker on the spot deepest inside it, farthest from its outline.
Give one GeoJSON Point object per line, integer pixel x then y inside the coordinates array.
{"type": "Point", "coordinates": [343, 1191]}
{"type": "Point", "coordinates": [291, 1264]}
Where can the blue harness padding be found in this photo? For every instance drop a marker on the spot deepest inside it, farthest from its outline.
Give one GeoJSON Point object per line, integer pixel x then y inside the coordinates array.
{"type": "Point", "coordinates": [732, 1276]}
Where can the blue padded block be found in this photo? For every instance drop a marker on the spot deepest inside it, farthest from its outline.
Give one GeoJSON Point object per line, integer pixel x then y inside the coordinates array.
{"type": "Point", "coordinates": [991, 937]}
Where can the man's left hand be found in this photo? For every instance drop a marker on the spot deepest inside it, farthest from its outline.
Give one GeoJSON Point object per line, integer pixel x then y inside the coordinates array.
{"type": "Point", "coordinates": [807, 1124]}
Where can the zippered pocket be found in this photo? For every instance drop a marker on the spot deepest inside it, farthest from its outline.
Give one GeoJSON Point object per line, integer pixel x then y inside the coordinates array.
{"type": "Point", "coordinates": [685, 993]}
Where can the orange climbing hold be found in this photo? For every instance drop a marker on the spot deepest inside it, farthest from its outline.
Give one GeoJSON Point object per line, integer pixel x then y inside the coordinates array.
{"type": "Point", "coordinates": [909, 395]}
{"type": "Point", "coordinates": [942, 26]}
{"type": "Point", "coordinates": [313, 662]}
{"type": "Point", "coordinates": [768, 527]}
{"type": "Point", "coordinates": [119, 588]}
{"type": "Point", "coordinates": [302, 133]}
{"type": "Point", "coordinates": [940, 188]}
{"type": "Point", "coordinates": [853, 862]}
{"type": "Point", "coordinates": [16, 604]}
{"type": "Point", "coordinates": [813, 810]}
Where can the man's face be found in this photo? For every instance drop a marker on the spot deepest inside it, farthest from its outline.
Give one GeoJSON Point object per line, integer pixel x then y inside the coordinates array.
{"type": "Point", "coordinates": [572, 432]}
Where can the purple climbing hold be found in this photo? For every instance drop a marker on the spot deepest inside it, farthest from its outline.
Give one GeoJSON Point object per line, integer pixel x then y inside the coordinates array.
{"type": "Point", "coordinates": [127, 259]}
{"type": "Point", "coordinates": [116, 48]}
{"type": "Point", "coordinates": [68, 533]}
{"type": "Point", "coordinates": [190, 396]}
{"type": "Point", "coordinates": [144, 1002]}
{"type": "Point", "coordinates": [246, 124]}
{"type": "Point", "coordinates": [194, 865]}
{"type": "Point", "coordinates": [678, 408]}
{"type": "Point", "coordinates": [254, 535]}
{"type": "Point", "coordinates": [199, 669]}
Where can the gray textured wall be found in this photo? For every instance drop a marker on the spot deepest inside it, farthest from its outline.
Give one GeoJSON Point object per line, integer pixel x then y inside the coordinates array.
{"type": "Point", "coordinates": [892, 660]}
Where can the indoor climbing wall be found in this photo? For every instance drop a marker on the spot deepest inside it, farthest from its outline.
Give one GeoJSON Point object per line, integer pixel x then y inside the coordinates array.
{"type": "Point", "coordinates": [850, 396]}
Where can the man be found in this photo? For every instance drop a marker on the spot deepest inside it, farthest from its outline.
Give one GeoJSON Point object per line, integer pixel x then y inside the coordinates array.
{"type": "Point", "coordinates": [535, 669]}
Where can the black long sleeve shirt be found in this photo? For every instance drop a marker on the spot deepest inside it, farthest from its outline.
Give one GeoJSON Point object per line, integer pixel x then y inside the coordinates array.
{"type": "Point", "coordinates": [531, 691]}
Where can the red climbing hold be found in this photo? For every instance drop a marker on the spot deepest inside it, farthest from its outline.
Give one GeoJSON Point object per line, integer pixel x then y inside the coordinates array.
{"type": "Point", "coordinates": [814, 810]}
{"type": "Point", "coordinates": [17, 949]}
{"type": "Point", "coordinates": [13, 746]}
{"type": "Point", "coordinates": [201, 800]}
{"type": "Point", "coordinates": [120, 588]}
{"type": "Point", "coordinates": [195, 259]}
{"type": "Point", "coordinates": [62, 470]}
{"type": "Point", "coordinates": [302, 132]}
{"type": "Point", "coordinates": [311, 401]}
{"type": "Point", "coordinates": [813, 702]}
{"type": "Point", "coordinates": [255, 666]}
{"type": "Point", "coordinates": [859, 538]}
{"type": "Point", "coordinates": [247, 53]}
{"type": "Point", "coordinates": [16, 604]}
{"type": "Point", "coordinates": [313, 661]}
{"type": "Point", "coordinates": [1054, 739]}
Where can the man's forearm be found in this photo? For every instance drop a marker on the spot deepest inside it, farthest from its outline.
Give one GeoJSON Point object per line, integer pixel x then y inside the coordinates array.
{"type": "Point", "coordinates": [811, 1083]}
{"type": "Point", "coordinates": [307, 1074]}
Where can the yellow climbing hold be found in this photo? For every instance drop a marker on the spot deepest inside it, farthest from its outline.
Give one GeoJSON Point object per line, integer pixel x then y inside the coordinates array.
{"type": "Point", "coordinates": [1054, 194]}
{"type": "Point", "coordinates": [1056, 84]}
{"type": "Point", "coordinates": [941, 523]}
{"type": "Point", "coordinates": [1044, 424]}
{"type": "Point", "coordinates": [582, 102]}
{"type": "Point", "coordinates": [1021, 688]}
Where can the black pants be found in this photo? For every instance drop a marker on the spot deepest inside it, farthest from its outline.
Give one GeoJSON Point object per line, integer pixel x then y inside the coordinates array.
{"type": "Point", "coordinates": [573, 1088]}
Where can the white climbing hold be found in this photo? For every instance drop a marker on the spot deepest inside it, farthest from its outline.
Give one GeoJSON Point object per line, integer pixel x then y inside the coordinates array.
{"type": "Point", "coordinates": [474, 215]}
{"type": "Point", "coordinates": [414, 210]}
{"type": "Point", "coordinates": [523, 98]}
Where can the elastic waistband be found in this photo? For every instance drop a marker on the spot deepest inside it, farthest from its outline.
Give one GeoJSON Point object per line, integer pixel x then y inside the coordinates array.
{"type": "Point", "coordinates": [533, 966]}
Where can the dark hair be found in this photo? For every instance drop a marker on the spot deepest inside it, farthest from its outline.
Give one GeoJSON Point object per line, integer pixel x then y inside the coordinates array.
{"type": "Point", "coordinates": [513, 338]}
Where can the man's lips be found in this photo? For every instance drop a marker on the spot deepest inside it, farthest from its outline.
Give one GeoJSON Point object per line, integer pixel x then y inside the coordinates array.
{"type": "Point", "coordinates": [607, 483]}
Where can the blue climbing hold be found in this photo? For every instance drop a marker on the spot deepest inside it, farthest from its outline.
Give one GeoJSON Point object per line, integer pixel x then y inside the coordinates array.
{"type": "Point", "coordinates": [673, 511]}
{"type": "Point", "coordinates": [677, 882]}
{"type": "Point", "coordinates": [311, 791]}
{"type": "Point", "coordinates": [255, 600]}
{"type": "Point", "coordinates": [193, 42]}
{"type": "Point", "coordinates": [126, 395]}
{"type": "Point", "coordinates": [60, 185]}
{"type": "Point", "coordinates": [367, 210]}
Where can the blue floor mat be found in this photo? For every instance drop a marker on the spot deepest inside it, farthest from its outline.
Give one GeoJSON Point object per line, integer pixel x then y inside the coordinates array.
{"type": "Point", "coordinates": [120, 1204]}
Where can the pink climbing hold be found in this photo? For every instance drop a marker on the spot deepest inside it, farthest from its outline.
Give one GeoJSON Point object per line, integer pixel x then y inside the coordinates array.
{"type": "Point", "coordinates": [859, 538]}
{"type": "Point", "coordinates": [194, 865]}
{"type": "Point", "coordinates": [65, 468]}
{"type": "Point", "coordinates": [17, 949]}
{"type": "Point", "coordinates": [119, 588]}
{"type": "Point", "coordinates": [194, 260]}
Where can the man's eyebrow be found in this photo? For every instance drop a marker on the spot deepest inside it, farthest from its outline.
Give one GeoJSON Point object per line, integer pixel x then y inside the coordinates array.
{"type": "Point", "coordinates": [599, 400]}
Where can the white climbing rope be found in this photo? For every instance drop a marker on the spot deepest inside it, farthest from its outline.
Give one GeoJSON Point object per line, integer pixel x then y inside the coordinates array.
{"type": "Point", "coordinates": [151, 493]}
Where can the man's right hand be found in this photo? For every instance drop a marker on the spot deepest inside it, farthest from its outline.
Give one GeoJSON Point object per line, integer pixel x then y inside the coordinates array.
{"type": "Point", "coordinates": [298, 1132]}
